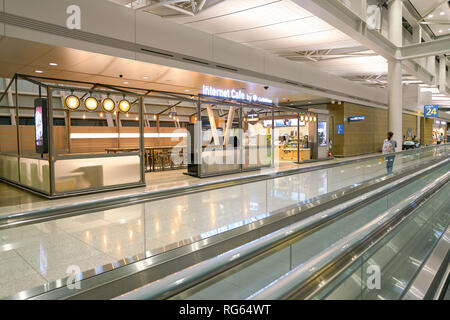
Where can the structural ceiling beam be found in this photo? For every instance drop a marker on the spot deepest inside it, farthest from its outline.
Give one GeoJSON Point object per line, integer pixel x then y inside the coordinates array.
{"type": "Point", "coordinates": [342, 18]}
{"type": "Point", "coordinates": [425, 49]}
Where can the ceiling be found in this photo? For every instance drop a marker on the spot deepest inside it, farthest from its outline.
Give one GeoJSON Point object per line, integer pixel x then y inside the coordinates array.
{"type": "Point", "coordinates": [26, 57]}
{"type": "Point", "coordinates": [286, 29]}
{"type": "Point", "coordinates": [278, 26]}
{"type": "Point", "coordinates": [435, 14]}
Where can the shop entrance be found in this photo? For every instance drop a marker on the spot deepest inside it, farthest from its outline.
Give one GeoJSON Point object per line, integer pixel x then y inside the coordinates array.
{"type": "Point", "coordinates": [295, 137]}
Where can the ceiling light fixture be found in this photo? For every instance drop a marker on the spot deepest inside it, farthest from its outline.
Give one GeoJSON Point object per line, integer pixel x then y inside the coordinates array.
{"type": "Point", "coordinates": [91, 104]}
{"type": "Point", "coordinates": [53, 64]}
{"type": "Point", "coordinates": [108, 105]}
{"type": "Point", "coordinates": [430, 16]}
{"type": "Point", "coordinates": [442, 13]}
{"type": "Point", "coordinates": [440, 31]}
{"type": "Point", "coordinates": [39, 71]}
{"type": "Point", "coordinates": [145, 77]}
{"type": "Point", "coordinates": [124, 105]}
{"type": "Point", "coordinates": [72, 102]}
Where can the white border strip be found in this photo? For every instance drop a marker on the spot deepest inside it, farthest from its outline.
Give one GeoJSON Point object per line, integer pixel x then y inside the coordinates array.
{"type": "Point", "coordinates": [125, 135]}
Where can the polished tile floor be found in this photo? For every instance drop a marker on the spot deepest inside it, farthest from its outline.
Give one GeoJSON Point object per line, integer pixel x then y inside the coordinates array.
{"type": "Point", "coordinates": [15, 200]}
{"type": "Point", "coordinates": [37, 254]}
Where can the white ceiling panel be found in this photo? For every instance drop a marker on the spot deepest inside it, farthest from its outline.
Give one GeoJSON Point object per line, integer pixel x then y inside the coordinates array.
{"type": "Point", "coordinates": [224, 8]}
{"type": "Point", "coordinates": [294, 42]}
{"type": "Point", "coordinates": [274, 31]}
{"type": "Point", "coordinates": [435, 12]}
{"type": "Point", "coordinates": [272, 13]}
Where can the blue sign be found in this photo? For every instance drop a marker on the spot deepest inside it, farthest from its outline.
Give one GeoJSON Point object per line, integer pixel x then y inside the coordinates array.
{"type": "Point", "coordinates": [431, 111]}
{"type": "Point", "coordinates": [340, 128]}
{"type": "Point", "coordinates": [359, 118]}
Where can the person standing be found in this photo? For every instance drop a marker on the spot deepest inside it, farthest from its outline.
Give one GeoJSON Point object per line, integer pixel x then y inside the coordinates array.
{"type": "Point", "coordinates": [438, 138]}
{"type": "Point", "coordinates": [389, 146]}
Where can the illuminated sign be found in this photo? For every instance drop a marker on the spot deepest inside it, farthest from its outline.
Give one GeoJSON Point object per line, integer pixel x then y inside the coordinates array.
{"type": "Point", "coordinates": [431, 111]}
{"type": "Point", "coordinates": [282, 123]}
{"type": "Point", "coordinates": [358, 118]}
{"type": "Point", "coordinates": [339, 129]}
{"type": "Point", "coordinates": [253, 116]}
{"type": "Point", "coordinates": [232, 94]}
{"type": "Point", "coordinates": [40, 125]}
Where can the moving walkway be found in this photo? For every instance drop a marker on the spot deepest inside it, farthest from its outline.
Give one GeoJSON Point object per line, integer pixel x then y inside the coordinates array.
{"type": "Point", "coordinates": [401, 237]}
{"type": "Point", "coordinates": [250, 258]}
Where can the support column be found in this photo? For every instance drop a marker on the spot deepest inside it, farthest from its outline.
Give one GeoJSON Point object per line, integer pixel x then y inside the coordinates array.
{"type": "Point", "coordinates": [417, 38]}
{"type": "Point", "coordinates": [395, 74]}
{"type": "Point", "coordinates": [418, 128]}
{"type": "Point", "coordinates": [442, 74]}
{"type": "Point", "coordinates": [395, 22]}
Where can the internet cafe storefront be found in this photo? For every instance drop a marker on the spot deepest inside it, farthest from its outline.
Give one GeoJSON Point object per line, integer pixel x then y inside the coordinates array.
{"type": "Point", "coordinates": [273, 135]}
{"type": "Point", "coordinates": [73, 137]}
{"type": "Point", "coordinates": [300, 136]}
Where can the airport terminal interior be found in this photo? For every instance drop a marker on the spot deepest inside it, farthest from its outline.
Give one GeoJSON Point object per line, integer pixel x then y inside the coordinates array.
{"type": "Point", "coordinates": [225, 150]}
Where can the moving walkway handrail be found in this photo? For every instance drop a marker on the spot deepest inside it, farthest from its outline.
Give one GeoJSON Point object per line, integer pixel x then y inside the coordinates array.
{"type": "Point", "coordinates": [187, 278]}
{"type": "Point", "coordinates": [65, 210]}
{"type": "Point", "coordinates": [297, 280]}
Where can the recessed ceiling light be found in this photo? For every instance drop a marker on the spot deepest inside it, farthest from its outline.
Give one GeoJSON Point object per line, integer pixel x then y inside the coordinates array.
{"type": "Point", "coordinates": [187, 90]}
{"type": "Point", "coordinates": [53, 64]}
{"type": "Point", "coordinates": [442, 13]}
{"type": "Point", "coordinates": [440, 31]}
{"type": "Point", "coordinates": [430, 16]}
{"type": "Point", "coordinates": [309, 101]}
{"type": "Point", "coordinates": [145, 77]}
{"type": "Point", "coordinates": [39, 71]}
{"type": "Point", "coordinates": [125, 82]}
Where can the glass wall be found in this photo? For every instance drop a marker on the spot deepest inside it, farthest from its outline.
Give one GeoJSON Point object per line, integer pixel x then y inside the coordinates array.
{"type": "Point", "coordinates": [8, 131]}
{"type": "Point", "coordinates": [257, 137]}
{"type": "Point", "coordinates": [221, 139]}
{"type": "Point", "coordinates": [165, 122]}
{"type": "Point", "coordinates": [33, 137]}
{"type": "Point", "coordinates": [286, 137]}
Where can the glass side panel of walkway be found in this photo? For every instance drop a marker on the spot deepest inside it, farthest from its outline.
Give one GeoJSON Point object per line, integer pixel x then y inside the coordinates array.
{"type": "Point", "coordinates": [399, 255]}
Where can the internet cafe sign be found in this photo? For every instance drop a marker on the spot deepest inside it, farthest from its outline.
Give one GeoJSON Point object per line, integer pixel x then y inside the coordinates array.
{"type": "Point", "coordinates": [232, 94]}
